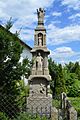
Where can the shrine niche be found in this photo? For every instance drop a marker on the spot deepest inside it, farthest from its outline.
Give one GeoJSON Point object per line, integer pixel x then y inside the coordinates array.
{"type": "Point", "coordinates": [39, 62]}
{"type": "Point", "coordinates": [40, 39]}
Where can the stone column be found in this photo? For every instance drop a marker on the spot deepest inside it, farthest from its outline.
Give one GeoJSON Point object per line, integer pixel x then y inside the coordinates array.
{"type": "Point", "coordinates": [46, 71]}
{"type": "Point", "coordinates": [35, 40]}
{"type": "Point", "coordinates": [44, 39]}
{"type": "Point", "coordinates": [34, 66]}
{"type": "Point", "coordinates": [46, 62]}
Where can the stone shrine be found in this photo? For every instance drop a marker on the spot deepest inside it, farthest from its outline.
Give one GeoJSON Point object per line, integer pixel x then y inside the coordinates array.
{"type": "Point", "coordinates": [39, 99]}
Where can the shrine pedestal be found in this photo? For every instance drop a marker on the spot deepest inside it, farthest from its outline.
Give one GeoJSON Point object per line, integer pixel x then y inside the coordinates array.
{"type": "Point", "coordinates": [39, 105]}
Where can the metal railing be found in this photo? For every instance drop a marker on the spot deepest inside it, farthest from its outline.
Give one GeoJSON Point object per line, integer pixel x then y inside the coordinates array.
{"type": "Point", "coordinates": [13, 106]}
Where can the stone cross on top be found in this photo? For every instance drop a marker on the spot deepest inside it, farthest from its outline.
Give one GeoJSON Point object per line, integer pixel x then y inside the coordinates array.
{"type": "Point", "coordinates": [41, 14]}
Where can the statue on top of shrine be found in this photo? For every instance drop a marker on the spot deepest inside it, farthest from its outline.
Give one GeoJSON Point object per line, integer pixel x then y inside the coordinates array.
{"type": "Point", "coordinates": [41, 14]}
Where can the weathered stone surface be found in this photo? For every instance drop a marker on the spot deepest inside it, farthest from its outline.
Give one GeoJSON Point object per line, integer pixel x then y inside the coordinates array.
{"type": "Point", "coordinates": [72, 114]}
{"type": "Point", "coordinates": [41, 105]}
{"type": "Point", "coordinates": [39, 87]}
{"type": "Point", "coordinates": [54, 114]}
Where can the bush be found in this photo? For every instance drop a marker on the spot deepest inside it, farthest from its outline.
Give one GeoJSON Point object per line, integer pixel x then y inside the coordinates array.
{"type": "Point", "coordinates": [78, 118]}
{"type": "Point", "coordinates": [74, 90]}
{"type": "Point", "coordinates": [56, 103]}
{"type": "Point", "coordinates": [3, 116]}
{"type": "Point", "coordinates": [26, 116]}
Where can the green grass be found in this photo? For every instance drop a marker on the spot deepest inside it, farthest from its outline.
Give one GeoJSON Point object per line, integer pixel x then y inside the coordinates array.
{"type": "Point", "coordinates": [75, 101]}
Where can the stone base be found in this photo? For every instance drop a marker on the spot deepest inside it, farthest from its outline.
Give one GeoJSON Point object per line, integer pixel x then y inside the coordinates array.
{"type": "Point", "coordinates": [40, 105]}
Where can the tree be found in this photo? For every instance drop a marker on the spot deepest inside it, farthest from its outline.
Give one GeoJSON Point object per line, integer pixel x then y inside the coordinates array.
{"type": "Point", "coordinates": [65, 79]}
{"type": "Point", "coordinates": [57, 82]}
{"type": "Point", "coordinates": [77, 69]}
{"type": "Point", "coordinates": [10, 71]}
{"type": "Point", "coordinates": [53, 72]}
{"type": "Point", "coordinates": [71, 72]}
{"type": "Point", "coordinates": [60, 82]}
{"type": "Point", "coordinates": [70, 67]}
{"type": "Point", "coordinates": [9, 24]}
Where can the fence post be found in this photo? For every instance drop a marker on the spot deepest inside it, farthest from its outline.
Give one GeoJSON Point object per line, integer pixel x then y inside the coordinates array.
{"type": "Point", "coordinates": [46, 111]}
{"type": "Point", "coordinates": [41, 113]}
{"type": "Point", "coordinates": [36, 111]}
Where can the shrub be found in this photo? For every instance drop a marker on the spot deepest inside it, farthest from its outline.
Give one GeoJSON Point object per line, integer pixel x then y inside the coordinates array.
{"type": "Point", "coordinates": [75, 101]}
{"type": "Point", "coordinates": [56, 103]}
{"type": "Point", "coordinates": [3, 116]}
{"type": "Point", "coordinates": [26, 116]}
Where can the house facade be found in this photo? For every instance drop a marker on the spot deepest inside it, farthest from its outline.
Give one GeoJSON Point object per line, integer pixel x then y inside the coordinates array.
{"type": "Point", "coordinates": [26, 53]}
{"type": "Point", "coordinates": [26, 49]}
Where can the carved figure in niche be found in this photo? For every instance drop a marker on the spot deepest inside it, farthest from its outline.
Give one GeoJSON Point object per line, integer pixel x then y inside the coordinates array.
{"type": "Point", "coordinates": [40, 13]}
{"type": "Point", "coordinates": [39, 62]}
{"type": "Point", "coordinates": [40, 40]}
{"type": "Point", "coordinates": [42, 88]}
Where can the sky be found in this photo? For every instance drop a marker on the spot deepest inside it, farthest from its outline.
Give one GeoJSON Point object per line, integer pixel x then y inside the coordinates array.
{"type": "Point", "coordinates": [62, 22]}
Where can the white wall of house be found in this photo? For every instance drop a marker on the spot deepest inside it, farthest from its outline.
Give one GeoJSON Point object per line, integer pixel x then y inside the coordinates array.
{"type": "Point", "coordinates": [26, 54]}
